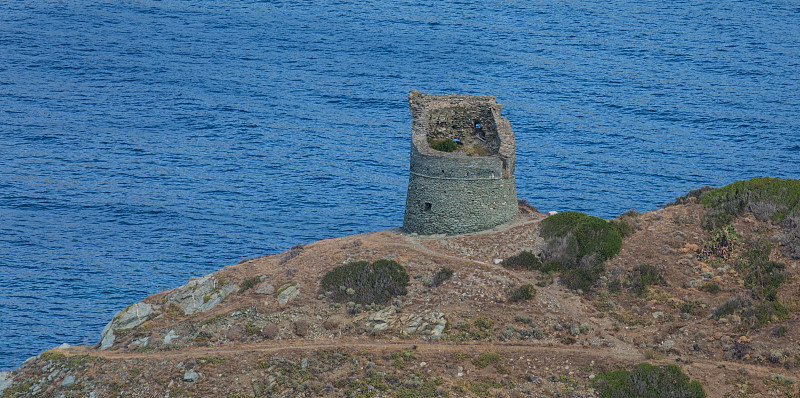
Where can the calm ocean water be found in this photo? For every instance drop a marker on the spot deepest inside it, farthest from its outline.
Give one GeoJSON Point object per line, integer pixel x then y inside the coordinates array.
{"type": "Point", "coordinates": [144, 142]}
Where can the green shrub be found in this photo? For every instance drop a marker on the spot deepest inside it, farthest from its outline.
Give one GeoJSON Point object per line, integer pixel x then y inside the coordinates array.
{"type": "Point", "coordinates": [447, 145]}
{"type": "Point", "coordinates": [710, 287]}
{"type": "Point", "coordinates": [779, 331]}
{"type": "Point", "coordinates": [441, 275]}
{"type": "Point", "coordinates": [768, 311]}
{"type": "Point", "coordinates": [643, 277]}
{"type": "Point", "coordinates": [767, 198]}
{"type": "Point", "coordinates": [724, 241]}
{"type": "Point", "coordinates": [524, 260]}
{"type": "Point", "coordinates": [691, 307]}
{"type": "Point", "coordinates": [485, 359]}
{"type": "Point", "coordinates": [733, 304]}
{"type": "Point", "coordinates": [647, 381]}
{"type": "Point", "coordinates": [364, 283]}
{"type": "Point", "coordinates": [626, 223]}
{"type": "Point", "coordinates": [578, 244]}
{"type": "Point", "coordinates": [522, 293]}
{"type": "Point", "coordinates": [593, 235]}
{"type": "Point", "coordinates": [581, 278]}
{"type": "Point", "coordinates": [483, 324]}
{"type": "Point", "coordinates": [249, 283]}
{"type": "Point", "coordinates": [693, 196]}
{"type": "Point", "coordinates": [760, 275]}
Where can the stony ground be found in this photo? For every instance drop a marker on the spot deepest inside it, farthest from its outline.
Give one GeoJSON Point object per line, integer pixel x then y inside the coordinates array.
{"type": "Point", "coordinates": [264, 327]}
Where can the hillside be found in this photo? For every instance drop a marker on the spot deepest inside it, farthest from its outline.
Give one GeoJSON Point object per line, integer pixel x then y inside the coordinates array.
{"type": "Point", "coordinates": [708, 287]}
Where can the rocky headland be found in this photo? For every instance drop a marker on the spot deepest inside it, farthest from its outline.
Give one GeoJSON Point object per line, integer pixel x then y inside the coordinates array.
{"type": "Point", "coordinates": [706, 285]}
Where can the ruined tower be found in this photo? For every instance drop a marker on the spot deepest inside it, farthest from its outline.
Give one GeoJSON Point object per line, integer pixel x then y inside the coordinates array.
{"type": "Point", "coordinates": [467, 185]}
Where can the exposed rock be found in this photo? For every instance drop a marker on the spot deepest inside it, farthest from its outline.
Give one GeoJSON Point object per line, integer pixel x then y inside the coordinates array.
{"type": "Point", "coordinates": [68, 381]}
{"type": "Point", "coordinates": [5, 381]}
{"type": "Point", "coordinates": [429, 322]}
{"type": "Point", "coordinates": [190, 376]}
{"type": "Point", "coordinates": [200, 295]}
{"type": "Point", "coordinates": [128, 318]}
{"type": "Point", "coordinates": [140, 342]}
{"type": "Point", "coordinates": [382, 319]}
{"type": "Point", "coordinates": [171, 335]}
{"type": "Point", "coordinates": [265, 289]}
{"type": "Point", "coordinates": [64, 346]}
{"type": "Point", "coordinates": [288, 292]}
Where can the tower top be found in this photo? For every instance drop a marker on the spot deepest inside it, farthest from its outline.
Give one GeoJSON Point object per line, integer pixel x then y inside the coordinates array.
{"type": "Point", "coordinates": [461, 177]}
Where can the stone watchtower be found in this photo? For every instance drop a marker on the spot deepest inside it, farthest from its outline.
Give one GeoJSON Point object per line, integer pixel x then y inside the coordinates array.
{"type": "Point", "coordinates": [467, 183]}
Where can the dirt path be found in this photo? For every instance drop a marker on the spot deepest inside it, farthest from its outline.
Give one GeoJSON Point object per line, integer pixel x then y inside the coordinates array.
{"type": "Point", "coordinates": [555, 354]}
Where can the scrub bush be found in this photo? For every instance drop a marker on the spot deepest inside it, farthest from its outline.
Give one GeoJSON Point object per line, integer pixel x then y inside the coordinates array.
{"type": "Point", "coordinates": [592, 235]}
{"type": "Point", "coordinates": [767, 198]}
{"type": "Point", "coordinates": [578, 244]}
{"type": "Point", "coordinates": [522, 293]}
{"type": "Point", "coordinates": [761, 276]}
{"type": "Point", "coordinates": [733, 304]}
{"type": "Point", "coordinates": [441, 275]}
{"type": "Point", "coordinates": [524, 260]}
{"type": "Point", "coordinates": [626, 223]}
{"type": "Point", "coordinates": [648, 381]}
{"type": "Point", "coordinates": [710, 287]}
{"type": "Point", "coordinates": [722, 244]}
{"type": "Point", "coordinates": [363, 283]}
{"type": "Point", "coordinates": [643, 277]}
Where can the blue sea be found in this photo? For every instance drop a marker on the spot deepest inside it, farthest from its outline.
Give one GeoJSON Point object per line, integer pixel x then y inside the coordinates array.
{"type": "Point", "coordinates": [145, 142]}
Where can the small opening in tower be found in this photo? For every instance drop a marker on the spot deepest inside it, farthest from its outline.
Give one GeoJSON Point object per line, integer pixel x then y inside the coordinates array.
{"type": "Point", "coordinates": [427, 207]}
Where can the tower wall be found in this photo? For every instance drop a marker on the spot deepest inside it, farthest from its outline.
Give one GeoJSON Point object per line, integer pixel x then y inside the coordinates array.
{"type": "Point", "coordinates": [452, 192]}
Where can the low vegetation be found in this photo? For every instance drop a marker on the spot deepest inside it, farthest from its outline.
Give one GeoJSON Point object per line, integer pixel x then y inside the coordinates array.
{"type": "Point", "coordinates": [648, 381]}
{"type": "Point", "coordinates": [485, 359]}
{"type": "Point", "coordinates": [363, 283]}
{"type": "Point", "coordinates": [522, 293]}
{"type": "Point", "coordinates": [643, 277]}
{"type": "Point", "coordinates": [249, 283]}
{"type": "Point", "coordinates": [440, 276]}
{"type": "Point", "coordinates": [576, 245]}
{"type": "Point", "coordinates": [722, 244]}
{"type": "Point", "coordinates": [525, 260]}
{"type": "Point", "coordinates": [447, 145]}
{"type": "Point", "coordinates": [627, 223]}
{"type": "Point", "coordinates": [768, 199]}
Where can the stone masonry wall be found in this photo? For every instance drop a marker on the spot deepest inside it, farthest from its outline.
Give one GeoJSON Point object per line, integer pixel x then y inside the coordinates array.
{"type": "Point", "coordinates": [452, 193]}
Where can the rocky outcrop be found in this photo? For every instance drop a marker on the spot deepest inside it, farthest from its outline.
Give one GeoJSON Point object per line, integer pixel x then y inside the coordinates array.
{"type": "Point", "coordinates": [5, 381]}
{"type": "Point", "coordinates": [200, 295]}
{"type": "Point", "coordinates": [128, 318]}
{"type": "Point", "coordinates": [427, 323]}
{"type": "Point", "coordinates": [288, 292]}
{"type": "Point", "coordinates": [430, 323]}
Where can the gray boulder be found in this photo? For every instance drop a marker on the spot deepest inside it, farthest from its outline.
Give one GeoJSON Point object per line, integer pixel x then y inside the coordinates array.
{"type": "Point", "coordinates": [190, 376]}
{"type": "Point", "coordinates": [68, 381]}
{"type": "Point", "coordinates": [171, 335]}
{"type": "Point", "coordinates": [382, 319]}
{"type": "Point", "coordinates": [288, 292]}
{"type": "Point", "coordinates": [427, 323]}
{"type": "Point", "coordinates": [128, 318]}
{"type": "Point", "coordinates": [200, 295]}
{"type": "Point", "coordinates": [5, 381]}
